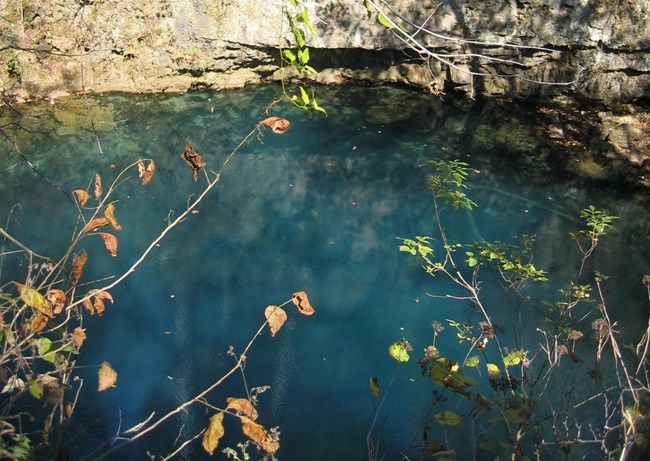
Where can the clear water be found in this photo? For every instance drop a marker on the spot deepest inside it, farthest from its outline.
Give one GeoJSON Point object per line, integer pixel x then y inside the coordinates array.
{"type": "Point", "coordinates": [317, 209]}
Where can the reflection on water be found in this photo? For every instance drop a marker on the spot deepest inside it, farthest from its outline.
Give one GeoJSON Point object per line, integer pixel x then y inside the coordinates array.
{"type": "Point", "coordinates": [316, 209]}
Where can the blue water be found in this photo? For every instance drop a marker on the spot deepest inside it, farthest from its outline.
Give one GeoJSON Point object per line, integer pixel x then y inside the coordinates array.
{"type": "Point", "coordinates": [317, 209]}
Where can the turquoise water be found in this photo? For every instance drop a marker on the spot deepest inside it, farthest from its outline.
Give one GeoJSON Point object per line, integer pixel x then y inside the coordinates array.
{"type": "Point", "coordinates": [317, 209]}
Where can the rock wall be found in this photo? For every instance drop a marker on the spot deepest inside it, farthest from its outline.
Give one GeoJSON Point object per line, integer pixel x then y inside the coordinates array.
{"type": "Point", "coordinates": [599, 48]}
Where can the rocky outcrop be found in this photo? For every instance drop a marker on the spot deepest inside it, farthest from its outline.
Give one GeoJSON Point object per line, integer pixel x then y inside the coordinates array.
{"type": "Point", "coordinates": [594, 50]}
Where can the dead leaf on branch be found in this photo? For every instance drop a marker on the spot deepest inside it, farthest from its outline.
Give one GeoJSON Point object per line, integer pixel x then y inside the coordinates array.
{"type": "Point", "coordinates": [110, 242]}
{"type": "Point", "coordinates": [98, 187]}
{"type": "Point", "coordinates": [107, 377]}
{"type": "Point", "coordinates": [98, 305]}
{"type": "Point", "coordinates": [95, 224]}
{"type": "Point", "coordinates": [56, 298]}
{"type": "Point", "coordinates": [78, 337]}
{"type": "Point", "coordinates": [146, 174]}
{"type": "Point", "coordinates": [109, 213]}
{"type": "Point", "coordinates": [301, 301]}
{"type": "Point", "coordinates": [78, 263]}
{"type": "Point", "coordinates": [275, 316]}
{"type": "Point", "coordinates": [39, 322]}
{"type": "Point", "coordinates": [278, 125]}
{"type": "Point", "coordinates": [81, 196]}
{"type": "Point", "coordinates": [213, 433]}
{"type": "Point", "coordinates": [259, 435]}
{"type": "Point", "coordinates": [242, 407]}
{"type": "Point", "coordinates": [193, 160]}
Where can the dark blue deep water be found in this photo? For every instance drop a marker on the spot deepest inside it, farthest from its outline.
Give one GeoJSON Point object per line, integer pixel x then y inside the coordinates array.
{"type": "Point", "coordinates": [317, 209]}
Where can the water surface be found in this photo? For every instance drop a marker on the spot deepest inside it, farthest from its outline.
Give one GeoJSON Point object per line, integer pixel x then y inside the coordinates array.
{"type": "Point", "coordinates": [317, 209]}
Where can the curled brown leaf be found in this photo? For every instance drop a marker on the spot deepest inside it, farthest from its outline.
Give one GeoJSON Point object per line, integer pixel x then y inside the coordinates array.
{"type": "Point", "coordinates": [109, 213]}
{"type": "Point", "coordinates": [278, 125]}
{"type": "Point", "coordinates": [110, 242]}
{"type": "Point", "coordinates": [193, 160]}
{"type": "Point", "coordinates": [146, 174]}
{"type": "Point", "coordinates": [242, 407]}
{"type": "Point", "coordinates": [81, 196]}
{"type": "Point", "coordinates": [213, 433]}
{"type": "Point", "coordinates": [98, 186]}
{"type": "Point", "coordinates": [259, 435]}
{"type": "Point", "coordinates": [78, 263]}
{"type": "Point", "coordinates": [78, 337]}
{"type": "Point", "coordinates": [95, 224]}
{"type": "Point", "coordinates": [39, 321]}
{"type": "Point", "coordinates": [97, 306]}
{"type": "Point", "coordinates": [56, 298]}
{"type": "Point", "coordinates": [301, 301]}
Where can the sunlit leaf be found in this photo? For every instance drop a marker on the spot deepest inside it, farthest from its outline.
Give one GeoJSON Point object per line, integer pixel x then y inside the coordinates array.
{"type": "Point", "coordinates": [107, 377]}
{"type": "Point", "coordinates": [275, 316]}
{"type": "Point", "coordinates": [242, 407]}
{"type": "Point", "coordinates": [110, 242]}
{"type": "Point", "coordinates": [147, 176]}
{"type": "Point", "coordinates": [374, 387]}
{"type": "Point", "coordinates": [78, 263]}
{"type": "Point", "coordinates": [81, 196]}
{"type": "Point", "coordinates": [278, 125]}
{"type": "Point", "coordinates": [213, 433]}
{"type": "Point", "coordinates": [493, 370]}
{"type": "Point", "coordinates": [109, 213]}
{"type": "Point", "coordinates": [95, 224]}
{"type": "Point", "coordinates": [513, 359]}
{"type": "Point", "coordinates": [43, 345]}
{"type": "Point", "coordinates": [398, 352]}
{"type": "Point", "coordinates": [193, 160]}
{"type": "Point", "coordinates": [301, 301]}
{"type": "Point", "coordinates": [304, 96]}
{"type": "Point", "coordinates": [56, 298]}
{"type": "Point", "coordinates": [98, 186]}
{"type": "Point", "coordinates": [381, 19]}
{"type": "Point", "coordinates": [34, 299]}
{"type": "Point", "coordinates": [448, 418]}
{"type": "Point", "coordinates": [259, 435]}
{"type": "Point", "coordinates": [473, 361]}
{"type": "Point", "coordinates": [78, 337]}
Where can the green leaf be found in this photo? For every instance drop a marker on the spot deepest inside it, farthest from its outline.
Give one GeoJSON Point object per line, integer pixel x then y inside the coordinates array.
{"type": "Point", "coordinates": [513, 359]}
{"type": "Point", "coordinates": [36, 388]}
{"type": "Point", "coordinates": [381, 19]}
{"type": "Point", "coordinates": [289, 56]}
{"type": "Point", "coordinates": [299, 36]}
{"type": "Point", "coordinates": [473, 361]}
{"type": "Point", "coordinates": [368, 9]}
{"type": "Point", "coordinates": [398, 352]}
{"type": "Point", "coordinates": [304, 96]}
{"type": "Point", "coordinates": [493, 370]}
{"type": "Point", "coordinates": [43, 345]}
{"type": "Point", "coordinates": [315, 105]}
{"type": "Point", "coordinates": [448, 418]}
{"type": "Point", "coordinates": [304, 18]}
{"type": "Point", "coordinates": [303, 56]}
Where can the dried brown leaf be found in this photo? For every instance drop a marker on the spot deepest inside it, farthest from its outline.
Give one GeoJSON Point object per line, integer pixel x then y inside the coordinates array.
{"type": "Point", "coordinates": [107, 377]}
{"type": "Point", "coordinates": [301, 301]}
{"type": "Point", "coordinates": [81, 196]}
{"type": "Point", "coordinates": [275, 316]}
{"type": "Point", "coordinates": [98, 187]}
{"type": "Point", "coordinates": [95, 224]}
{"type": "Point", "coordinates": [141, 169]}
{"type": "Point", "coordinates": [147, 174]}
{"type": "Point", "coordinates": [97, 306]}
{"type": "Point", "coordinates": [213, 433]}
{"type": "Point", "coordinates": [78, 337]}
{"type": "Point", "coordinates": [259, 435]}
{"type": "Point", "coordinates": [109, 213]}
{"type": "Point", "coordinates": [88, 305]}
{"type": "Point", "coordinates": [278, 125]}
{"type": "Point", "coordinates": [242, 407]}
{"type": "Point", "coordinates": [78, 263]}
{"type": "Point", "coordinates": [39, 321]}
{"type": "Point", "coordinates": [110, 242]}
{"type": "Point", "coordinates": [193, 160]}
{"type": "Point", "coordinates": [56, 298]}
